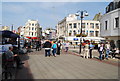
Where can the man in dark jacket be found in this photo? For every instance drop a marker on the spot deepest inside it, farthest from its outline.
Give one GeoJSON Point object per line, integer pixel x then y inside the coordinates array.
{"type": "Point", "coordinates": [47, 46]}
{"type": "Point", "coordinates": [37, 45]}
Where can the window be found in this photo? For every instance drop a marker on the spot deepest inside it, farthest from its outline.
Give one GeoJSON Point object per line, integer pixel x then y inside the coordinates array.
{"type": "Point", "coordinates": [117, 22]}
{"type": "Point", "coordinates": [97, 26]}
{"type": "Point", "coordinates": [29, 23]}
{"type": "Point", "coordinates": [78, 31]}
{"type": "Point", "coordinates": [32, 33]}
{"type": "Point", "coordinates": [70, 25]}
{"type": "Point", "coordinates": [96, 33]}
{"type": "Point", "coordinates": [83, 32]}
{"type": "Point", "coordinates": [83, 25]}
{"type": "Point", "coordinates": [87, 32]}
{"type": "Point", "coordinates": [91, 33]}
{"type": "Point", "coordinates": [70, 32]}
{"type": "Point", "coordinates": [106, 25]}
{"type": "Point", "coordinates": [29, 28]}
{"type": "Point", "coordinates": [29, 33]}
{"type": "Point", "coordinates": [91, 25]}
{"type": "Point", "coordinates": [74, 32]}
{"type": "Point", "coordinates": [32, 28]}
{"type": "Point", "coordinates": [32, 24]}
{"type": "Point", "coordinates": [75, 25]}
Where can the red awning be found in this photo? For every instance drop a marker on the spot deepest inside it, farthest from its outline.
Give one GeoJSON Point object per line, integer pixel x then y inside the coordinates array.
{"type": "Point", "coordinates": [32, 37]}
{"type": "Point", "coordinates": [28, 37]}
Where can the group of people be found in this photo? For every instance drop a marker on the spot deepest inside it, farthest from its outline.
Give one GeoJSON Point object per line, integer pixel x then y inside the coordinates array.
{"type": "Point", "coordinates": [55, 47]}
{"type": "Point", "coordinates": [104, 49]}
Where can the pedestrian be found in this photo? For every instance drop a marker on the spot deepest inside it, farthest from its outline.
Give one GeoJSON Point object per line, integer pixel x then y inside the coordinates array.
{"type": "Point", "coordinates": [29, 46]}
{"type": "Point", "coordinates": [101, 48]}
{"type": "Point", "coordinates": [40, 45]}
{"type": "Point", "coordinates": [86, 50]}
{"type": "Point", "coordinates": [107, 48]}
{"type": "Point", "coordinates": [37, 45]}
{"type": "Point", "coordinates": [91, 47]}
{"type": "Point", "coordinates": [54, 48]}
{"type": "Point", "coordinates": [58, 47]}
{"type": "Point", "coordinates": [47, 46]}
{"type": "Point", "coordinates": [67, 46]}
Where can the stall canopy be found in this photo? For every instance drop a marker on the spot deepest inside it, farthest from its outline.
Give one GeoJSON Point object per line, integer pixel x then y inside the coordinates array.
{"type": "Point", "coordinates": [8, 34]}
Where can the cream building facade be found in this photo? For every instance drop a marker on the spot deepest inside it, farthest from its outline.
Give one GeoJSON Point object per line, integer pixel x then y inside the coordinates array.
{"type": "Point", "coordinates": [70, 26]}
{"type": "Point", "coordinates": [32, 28]}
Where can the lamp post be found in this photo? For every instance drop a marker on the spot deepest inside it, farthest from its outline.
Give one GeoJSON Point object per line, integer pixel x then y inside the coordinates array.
{"type": "Point", "coordinates": [81, 16]}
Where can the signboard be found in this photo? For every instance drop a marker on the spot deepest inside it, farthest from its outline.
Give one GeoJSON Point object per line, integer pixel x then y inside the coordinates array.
{"type": "Point", "coordinates": [75, 39]}
{"type": "Point", "coordinates": [4, 48]}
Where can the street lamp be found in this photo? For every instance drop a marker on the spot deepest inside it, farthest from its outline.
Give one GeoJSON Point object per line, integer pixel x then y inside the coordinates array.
{"type": "Point", "coordinates": [82, 14]}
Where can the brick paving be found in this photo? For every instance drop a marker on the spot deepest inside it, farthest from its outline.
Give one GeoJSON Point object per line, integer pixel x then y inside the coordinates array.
{"type": "Point", "coordinates": [65, 66]}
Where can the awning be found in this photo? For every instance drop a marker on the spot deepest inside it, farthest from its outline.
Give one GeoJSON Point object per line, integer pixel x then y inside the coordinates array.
{"type": "Point", "coordinates": [32, 37]}
{"type": "Point", "coordinates": [8, 34]}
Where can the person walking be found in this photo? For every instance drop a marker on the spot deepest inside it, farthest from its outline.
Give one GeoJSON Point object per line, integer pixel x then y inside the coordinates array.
{"type": "Point", "coordinates": [47, 46]}
{"type": "Point", "coordinates": [37, 45]}
{"type": "Point", "coordinates": [86, 50]}
{"type": "Point", "coordinates": [58, 48]}
{"type": "Point", "coordinates": [107, 48]}
{"type": "Point", "coordinates": [54, 48]}
{"type": "Point", "coordinates": [67, 46]}
{"type": "Point", "coordinates": [91, 46]}
{"type": "Point", "coordinates": [40, 45]}
{"type": "Point", "coordinates": [101, 48]}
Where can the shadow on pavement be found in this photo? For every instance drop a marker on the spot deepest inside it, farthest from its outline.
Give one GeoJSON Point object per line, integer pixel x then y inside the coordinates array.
{"type": "Point", "coordinates": [24, 72]}
{"type": "Point", "coordinates": [24, 57]}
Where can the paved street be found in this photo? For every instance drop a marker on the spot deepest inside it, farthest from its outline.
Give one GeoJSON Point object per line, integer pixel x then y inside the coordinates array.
{"type": "Point", "coordinates": [65, 66]}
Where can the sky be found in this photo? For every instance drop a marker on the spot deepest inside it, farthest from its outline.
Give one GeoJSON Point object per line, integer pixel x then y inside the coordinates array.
{"type": "Point", "coordinates": [47, 13]}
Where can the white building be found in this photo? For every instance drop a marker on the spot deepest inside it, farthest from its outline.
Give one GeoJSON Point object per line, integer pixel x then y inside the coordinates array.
{"type": "Point", "coordinates": [110, 22]}
{"type": "Point", "coordinates": [49, 33]}
{"type": "Point", "coordinates": [32, 28]}
{"type": "Point", "coordinates": [70, 26]}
